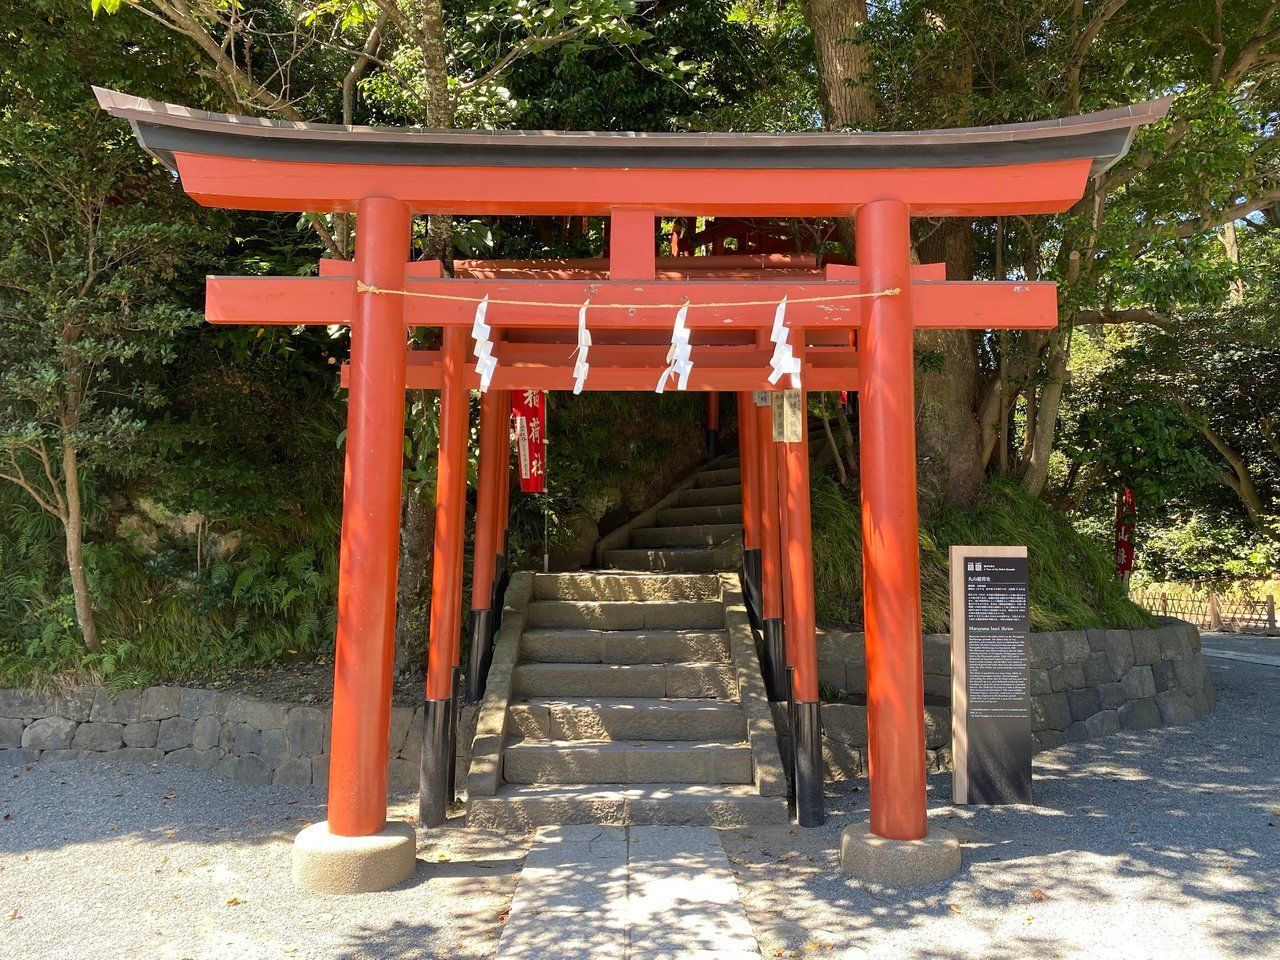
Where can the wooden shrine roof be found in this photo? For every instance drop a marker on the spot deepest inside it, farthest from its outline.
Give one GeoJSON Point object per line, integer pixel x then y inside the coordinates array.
{"type": "Point", "coordinates": [165, 129]}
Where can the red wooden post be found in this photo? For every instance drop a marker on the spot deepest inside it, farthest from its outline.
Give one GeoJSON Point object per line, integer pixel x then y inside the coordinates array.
{"type": "Point", "coordinates": [504, 508]}
{"type": "Point", "coordinates": [369, 549]}
{"type": "Point", "coordinates": [784, 565]}
{"type": "Point", "coordinates": [633, 253]}
{"type": "Point", "coordinates": [713, 422]}
{"type": "Point", "coordinates": [446, 581]}
{"type": "Point", "coordinates": [494, 412]}
{"type": "Point", "coordinates": [890, 529]}
{"type": "Point", "coordinates": [749, 472]}
{"type": "Point", "coordinates": [802, 643]}
{"type": "Point", "coordinates": [775, 656]}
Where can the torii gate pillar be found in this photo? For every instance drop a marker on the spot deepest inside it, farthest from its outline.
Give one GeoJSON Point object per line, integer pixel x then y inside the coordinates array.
{"type": "Point", "coordinates": [356, 849]}
{"type": "Point", "coordinates": [890, 528]}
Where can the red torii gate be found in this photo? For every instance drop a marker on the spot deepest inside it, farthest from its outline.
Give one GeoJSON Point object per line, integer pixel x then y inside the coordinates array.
{"type": "Point", "coordinates": [851, 326]}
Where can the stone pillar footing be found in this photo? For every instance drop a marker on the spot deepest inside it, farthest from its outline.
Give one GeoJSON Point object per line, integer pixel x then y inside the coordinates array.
{"type": "Point", "coordinates": [899, 863]}
{"type": "Point", "coordinates": [324, 862]}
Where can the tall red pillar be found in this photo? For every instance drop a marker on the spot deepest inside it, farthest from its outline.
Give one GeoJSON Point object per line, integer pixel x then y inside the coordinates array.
{"type": "Point", "coordinates": [784, 536]}
{"type": "Point", "coordinates": [775, 655]}
{"type": "Point", "coordinates": [749, 471]}
{"type": "Point", "coordinates": [446, 582]}
{"type": "Point", "coordinates": [713, 422]}
{"type": "Point", "coordinates": [369, 549]}
{"type": "Point", "coordinates": [504, 507]}
{"type": "Point", "coordinates": [890, 528]}
{"type": "Point", "coordinates": [802, 644]}
{"type": "Point", "coordinates": [494, 414]}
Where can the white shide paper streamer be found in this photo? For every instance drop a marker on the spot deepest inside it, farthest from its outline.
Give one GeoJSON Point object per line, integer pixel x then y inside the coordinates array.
{"type": "Point", "coordinates": [581, 367]}
{"type": "Point", "coordinates": [486, 362]}
{"type": "Point", "coordinates": [678, 357]}
{"type": "Point", "coordinates": [784, 361]}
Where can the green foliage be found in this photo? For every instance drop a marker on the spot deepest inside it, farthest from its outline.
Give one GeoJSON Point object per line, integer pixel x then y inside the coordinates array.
{"type": "Point", "coordinates": [212, 458]}
{"type": "Point", "coordinates": [609, 456]}
{"type": "Point", "coordinates": [1072, 581]}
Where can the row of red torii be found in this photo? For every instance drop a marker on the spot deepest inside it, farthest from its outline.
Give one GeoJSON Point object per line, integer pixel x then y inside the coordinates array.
{"type": "Point", "coordinates": [849, 327]}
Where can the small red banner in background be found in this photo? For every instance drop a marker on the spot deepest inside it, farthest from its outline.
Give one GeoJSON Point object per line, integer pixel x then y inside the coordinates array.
{"type": "Point", "coordinates": [529, 410]}
{"type": "Point", "coordinates": [1126, 526]}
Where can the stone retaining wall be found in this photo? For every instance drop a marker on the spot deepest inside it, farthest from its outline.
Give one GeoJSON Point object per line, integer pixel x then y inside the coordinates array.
{"type": "Point", "coordinates": [1084, 684]}
{"type": "Point", "coordinates": [235, 736]}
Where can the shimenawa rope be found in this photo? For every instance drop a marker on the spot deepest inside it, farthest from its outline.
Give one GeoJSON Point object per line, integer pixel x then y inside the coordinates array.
{"type": "Point", "coordinates": [362, 287]}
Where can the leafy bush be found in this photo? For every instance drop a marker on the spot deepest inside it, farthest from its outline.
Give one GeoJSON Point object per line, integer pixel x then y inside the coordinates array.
{"type": "Point", "coordinates": [1072, 581]}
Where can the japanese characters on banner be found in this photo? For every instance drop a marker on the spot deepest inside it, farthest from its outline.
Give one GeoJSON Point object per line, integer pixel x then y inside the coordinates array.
{"type": "Point", "coordinates": [1126, 526]}
{"type": "Point", "coordinates": [529, 412]}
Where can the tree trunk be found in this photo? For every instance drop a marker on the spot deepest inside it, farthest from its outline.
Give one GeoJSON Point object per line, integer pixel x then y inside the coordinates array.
{"type": "Point", "coordinates": [417, 535]}
{"type": "Point", "coordinates": [842, 64]}
{"type": "Point", "coordinates": [73, 528]}
{"type": "Point", "coordinates": [948, 432]}
{"type": "Point", "coordinates": [1046, 417]}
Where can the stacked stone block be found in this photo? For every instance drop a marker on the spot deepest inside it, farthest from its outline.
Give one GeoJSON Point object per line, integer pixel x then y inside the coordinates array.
{"type": "Point", "coordinates": [1084, 684]}
{"type": "Point", "coordinates": [235, 736]}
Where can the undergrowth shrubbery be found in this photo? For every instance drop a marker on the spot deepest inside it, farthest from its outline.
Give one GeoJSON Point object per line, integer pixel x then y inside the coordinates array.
{"type": "Point", "coordinates": [1072, 580]}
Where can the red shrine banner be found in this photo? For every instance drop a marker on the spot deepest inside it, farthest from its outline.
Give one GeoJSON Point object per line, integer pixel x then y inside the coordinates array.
{"type": "Point", "coordinates": [529, 408]}
{"type": "Point", "coordinates": [1126, 525]}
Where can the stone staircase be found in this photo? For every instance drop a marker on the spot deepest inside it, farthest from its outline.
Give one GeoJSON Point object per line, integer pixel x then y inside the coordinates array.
{"type": "Point", "coordinates": [633, 695]}
{"type": "Point", "coordinates": [696, 528]}
{"type": "Point", "coordinates": [626, 698]}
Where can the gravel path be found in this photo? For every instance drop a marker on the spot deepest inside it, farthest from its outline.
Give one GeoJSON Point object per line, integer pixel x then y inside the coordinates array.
{"type": "Point", "coordinates": [1164, 844]}
{"type": "Point", "coordinates": [133, 862]}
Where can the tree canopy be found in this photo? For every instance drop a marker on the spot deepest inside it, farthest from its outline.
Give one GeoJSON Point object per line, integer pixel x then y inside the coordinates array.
{"type": "Point", "coordinates": [153, 466]}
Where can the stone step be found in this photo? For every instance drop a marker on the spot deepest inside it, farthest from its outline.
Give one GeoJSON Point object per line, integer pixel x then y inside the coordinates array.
{"type": "Point", "coordinates": [710, 496]}
{"type": "Point", "coordinates": [626, 762]}
{"type": "Point", "coordinates": [624, 586]}
{"type": "Point", "coordinates": [626, 718]}
{"type": "Point", "coordinates": [729, 462]}
{"type": "Point", "coordinates": [626, 615]}
{"type": "Point", "coordinates": [659, 680]}
{"type": "Point", "coordinates": [701, 535]}
{"type": "Point", "coordinates": [518, 807]}
{"type": "Point", "coordinates": [674, 559]}
{"type": "Point", "coordinates": [624, 646]}
{"type": "Point", "coordinates": [718, 478]}
{"type": "Point", "coordinates": [686, 516]}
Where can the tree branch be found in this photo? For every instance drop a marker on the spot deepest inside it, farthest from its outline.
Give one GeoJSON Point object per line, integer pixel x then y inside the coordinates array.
{"type": "Point", "coordinates": [1133, 315]}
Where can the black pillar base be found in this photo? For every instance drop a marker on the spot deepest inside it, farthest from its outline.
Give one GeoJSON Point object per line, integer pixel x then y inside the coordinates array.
{"type": "Point", "coordinates": [501, 578]}
{"type": "Point", "coordinates": [791, 728]}
{"type": "Point", "coordinates": [432, 771]}
{"type": "Point", "coordinates": [713, 439]}
{"type": "Point", "coordinates": [806, 747]}
{"type": "Point", "coordinates": [775, 660]}
{"type": "Point", "coordinates": [451, 767]}
{"type": "Point", "coordinates": [751, 585]}
{"type": "Point", "coordinates": [755, 564]}
{"type": "Point", "coordinates": [480, 636]}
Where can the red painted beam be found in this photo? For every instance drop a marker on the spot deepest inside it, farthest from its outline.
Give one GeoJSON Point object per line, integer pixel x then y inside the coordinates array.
{"type": "Point", "coordinates": [748, 266]}
{"type": "Point", "coordinates": [726, 261]}
{"type": "Point", "coordinates": [250, 184]}
{"type": "Point", "coordinates": [301, 301]}
{"type": "Point", "coordinates": [427, 376]}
